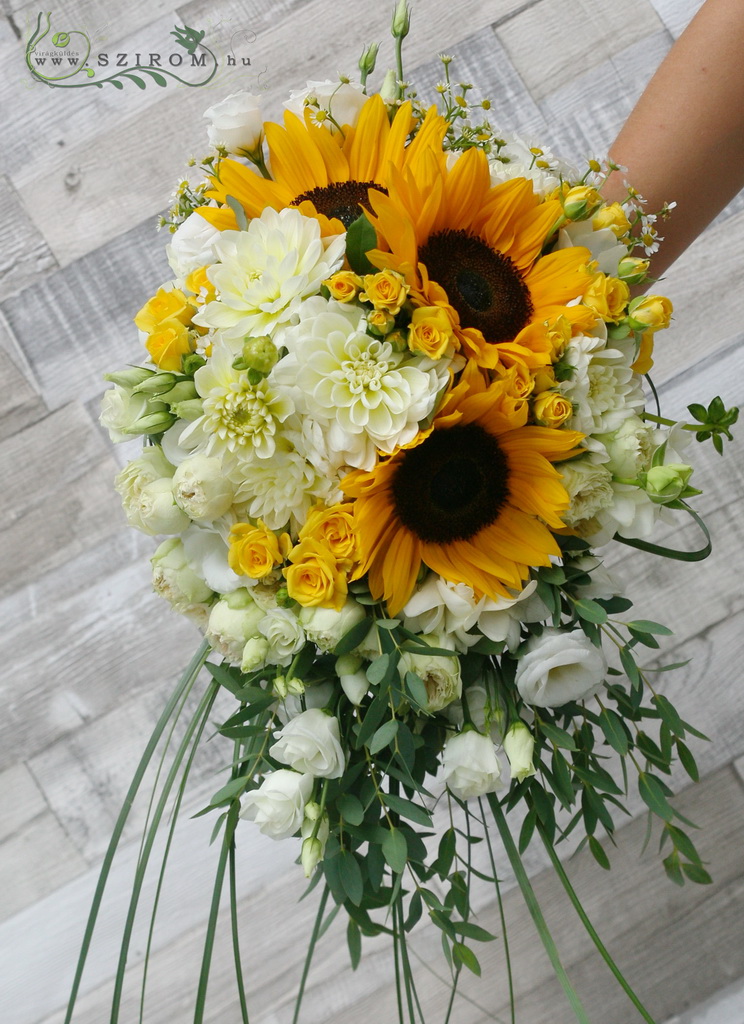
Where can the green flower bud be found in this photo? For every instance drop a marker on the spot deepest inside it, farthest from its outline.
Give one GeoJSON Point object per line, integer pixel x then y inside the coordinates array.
{"type": "Point", "coordinates": [401, 20]}
{"type": "Point", "coordinates": [184, 391]}
{"type": "Point", "coordinates": [191, 409]}
{"type": "Point", "coordinates": [153, 423]}
{"type": "Point", "coordinates": [368, 59]}
{"type": "Point", "coordinates": [129, 378]}
{"type": "Point", "coordinates": [666, 483]}
{"type": "Point", "coordinates": [632, 270]}
{"type": "Point", "coordinates": [389, 87]}
{"type": "Point", "coordinates": [156, 385]}
{"type": "Point", "coordinates": [260, 354]}
{"type": "Point", "coordinates": [192, 362]}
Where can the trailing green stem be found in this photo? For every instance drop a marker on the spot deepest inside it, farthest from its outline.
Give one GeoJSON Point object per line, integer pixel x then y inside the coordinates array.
{"type": "Point", "coordinates": [534, 908]}
{"type": "Point", "coordinates": [310, 951]}
{"type": "Point", "coordinates": [507, 955]}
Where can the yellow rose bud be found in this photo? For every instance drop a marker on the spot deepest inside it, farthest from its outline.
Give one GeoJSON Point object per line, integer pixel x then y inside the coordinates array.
{"type": "Point", "coordinates": [167, 343]}
{"type": "Point", "coordinates": [386, 290]}
{"type": "Point", "coordinates": [613, 217]}
{"type": "Point", "coordinates": [632, 269]}
{"type": "Point", "coordinates": [344, 285]}
{"type": "Point", "coordinates": [333, 528]}
{"type": "Point", "coordinates": [581, 201]}
{"type": "Point", "coordinates": [644, 360]}
{"type": "Point", "coordinates": [430, 331]}
{"type": "Point", "coordinates": [544, 379]}
{"type": "Point", "coordinates": [255, 550]}
{"type": "Point", "coordinates": [381, 321]}
{"type": "Point", "coordinates": [198, 283]}
{"type": "Point", "coordinates": [551, 409]}
{"type": "Point", "coordinates": [559, 333]}
{"type": "Point", "coordinates": [607, 296]}
{"type": "Point", "coordinates": [314, 578]}
{"type": "Point", "coordinates": [172, 305]}
{"type": "Point", "coordinates": [651, 312]}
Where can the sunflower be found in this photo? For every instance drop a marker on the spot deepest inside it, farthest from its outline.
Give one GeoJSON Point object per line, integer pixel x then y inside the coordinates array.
{"type": "Point", "coordinates": [476, 249]}
{"type": "Point", "coordinates": [326, 176]}
{"type": "Point", "coordinates": [474, 500]}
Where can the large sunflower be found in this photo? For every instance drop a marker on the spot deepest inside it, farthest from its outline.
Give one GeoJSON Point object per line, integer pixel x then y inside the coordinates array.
{"type": "Point", "coordinates": [474, 500]}
{"type": "Point", "coordinates": [326, 176]}
{"type": "Point", "coordinates": [477, 249]}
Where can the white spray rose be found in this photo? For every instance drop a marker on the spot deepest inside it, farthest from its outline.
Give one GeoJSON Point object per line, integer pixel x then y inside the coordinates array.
{"type": "Point", "coordinates": [589, 486]}
{"type": "Point", "coordinates": [207, 550]}
{"type": "Point", "coordinates": [278, 805]}
{"type": "Point", "coordinates": [201, 488]}
{"type": "Point", "coordinates": [440, 674]}
{"type": "Point", "coordinates": [311, 743]}
{"type": "Point", "coordinates": [560, 666]}
{"type": "Point", "coordinates": [236, 123]}
{"type": "Point", "coordinates": [172, 579]}
{"type": "Point", "coordinates": [519, 745]}
{"type": "Point", "coordinates": [119, 410]}
{"type": "Point", "coordinates": [630, 447]}
{"type": "Point", "coordinates": [470, 765]}
{"type": "Point", "coordinates": [284, 634]}
{"type": "Point", "coordinates": [233, 621]}
{"type": "Point", "coordinates": [326, 626]}
{"type": "Point", "coordinates": [192, 245]}
{"type": "Point", "coordinates": [343, 100]}
{"type": "Point", "coordinates": [146, 490]}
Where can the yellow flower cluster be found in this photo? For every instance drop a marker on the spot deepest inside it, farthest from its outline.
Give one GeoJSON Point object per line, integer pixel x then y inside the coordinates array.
{"type": "Point", "coordinates": [165, 319]}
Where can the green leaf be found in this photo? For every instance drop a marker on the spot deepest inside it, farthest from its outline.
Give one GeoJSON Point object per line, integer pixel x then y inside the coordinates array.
{"type": "Point", "coordinates": [378, 669]}
{"type": "Point", "coordinates": [350, 809]}
{"type": "Point", "coordinates": [653, 796]}
{"type": "Point", "coordinates": [528, 827]}
{"type": "Point", "coordinates": [350, 876]}
{"type": "Point", "coordinates": [648, 626]}
{"type": "Point", "coordinates": [360, 238]}
{"type": "Point", "coordinates": [415, 686]}
{"type": "Point", "coordinates": [354, 942]}
{"type": "Point", "coordinates": [688, 761]}
{"type": "Point", "coordinates": [407, 809]}
{"type": "Point", "coordinates": [387, 623]}
{"type": "Point", "coordinates": [590, 611]}
{"type": "Point", "coordinates": [383, 736]}
{"type": "Point", "coordinates": [673, 869]}
{"type": "Point", "coordinates": [465, 956]}
{"type": "Point", "coordinates": [683, 843]}
{"type": "Point", "coordinates": [472, 931]}
{"type": "Point", "coordinates": [445, 854]}
{"type": "Point", "coordinates": [395, 850]}
{"type": "Point", "coordinates": [372, 718]}
{"type": "Point", "coordinates": [414, 912]}
{"type": "Point", "coordinates": [612, 726]}
{"type": "Point", "coordinates": [599, 853]}
{"type": "Point", "coordinates": [228, 791]}
{"type": "Point", "coordinates": [224, 677]}
{"type": "Point", "coordinates": [352, 638]}
{"type": "Point", "coordinates": [557, 736]}
{"type": "Point", "coordinates": [629, 665]}
{"type": "Point", "coordinates": [669, 713]}
{"type": "Point", "coordinates": [696, 873]}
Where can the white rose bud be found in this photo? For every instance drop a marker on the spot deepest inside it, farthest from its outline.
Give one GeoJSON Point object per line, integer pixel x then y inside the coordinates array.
{"type": "Point", "coordinates": [201, 488]}
{"type": "Point", "coordinates": [311, 743]}
{"type": "Point", "coordinates": [284, 634]}
{"type": "Point", "coordinates": [192, 245]}
{"type": "Point", "coordinates": [471, 767]}
{"type": "Point", "coordinates": [255, 654]}
{"type": "Point", "coordinates": [326, 626]}
{"type": "Point", "coordinates": [278, 805]}
{"type": "Point", "coordinates": [146, 490]}
{"type": "Point", "coordinates": [560, 666]}
{"type": "Point", "coordinates": [440, 674]}
{"type": "Point", "coordinates": [173, 579]}
{"type": "Point", "coordinates": [236, 123]}
{"type": "Point", "coordinates": [353, 679]}
{"type": "Point", "coordinates": [233, 621]}
{"type": "Point", "coordinates": [519, 745]}
{"type": "Point", "coordinates": [119, 410]}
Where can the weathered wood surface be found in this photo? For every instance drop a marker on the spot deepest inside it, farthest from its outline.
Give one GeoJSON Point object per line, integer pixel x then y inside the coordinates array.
{"type": "Point", "coordinates": [89, 653]}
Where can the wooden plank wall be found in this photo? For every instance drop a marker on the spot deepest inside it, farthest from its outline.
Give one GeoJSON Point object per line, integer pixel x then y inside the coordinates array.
{"type": "Point", "coordinates": [89, 653]}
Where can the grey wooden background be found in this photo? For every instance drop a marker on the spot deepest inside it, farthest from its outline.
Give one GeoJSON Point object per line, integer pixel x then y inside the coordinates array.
{"type": "Point", "coordinates": [89, 653]}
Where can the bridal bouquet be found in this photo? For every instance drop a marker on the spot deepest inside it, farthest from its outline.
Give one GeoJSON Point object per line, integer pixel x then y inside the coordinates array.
{"type": "Point", "coordinates": [393, 411]}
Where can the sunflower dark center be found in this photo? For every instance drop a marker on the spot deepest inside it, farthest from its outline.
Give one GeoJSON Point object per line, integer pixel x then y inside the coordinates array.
{"type": "Point", "coordinates": [452, 485]}
{"type": "Point", "coordinates": [483, 284]}
{"type": "Point", "coordinates": [342, 199]}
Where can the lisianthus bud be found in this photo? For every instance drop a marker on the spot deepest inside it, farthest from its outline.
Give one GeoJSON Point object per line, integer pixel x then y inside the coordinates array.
{"type": "Point", "coordinates": [201, 488]}
{"type": "Point", "coordinates": [401, 20]}
{"type": "Point", "coordinates": [311, 855]}
{"type": "Point", "coordinates": [519, 744]}
{"type": "Point", "coordinates": [368, 59]}
{"type": "Point", "coordinates": [152, 422]}
{"type": "Point", "coordinates": [353, 679]}
{"type": "Point", "coordinates": [255, 654]}
{"type": "Point", "coordinates": [389, 87]}
{"type": "Point", "coordinates": [183, 391]}
{"type": "Point", "coordinates": [156, 384]}
{"type": "Point", "coordinates": [131, 377]}
{"type": "Point", "coordinates": [189, 410]}
{"type": "Point", "coordinates": [666, 483]}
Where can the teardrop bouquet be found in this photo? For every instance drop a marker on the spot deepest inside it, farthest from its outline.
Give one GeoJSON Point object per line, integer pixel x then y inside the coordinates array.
{"type": "Point", "coordinates": [393, 413]}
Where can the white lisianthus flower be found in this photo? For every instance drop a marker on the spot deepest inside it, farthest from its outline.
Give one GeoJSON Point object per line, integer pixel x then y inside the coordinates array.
{"type": "Point", "coordinates": [192, 245]}
{"type": "Point", "coordinates": [355, 383]}
{"type": "Point", "coordinates": [146, 489]}
{"type": "Point", "coordinates": [119, 410]}
{"type": "Point", "coordinates": [343, 100]}
{"type": "Point", "coordinates": [206, 550]}
{"type": "Point", "coordinates": [278, 805]}
{"type": "Point", "coordinates": [326, 626]}
{"type": "Point", "coordinates": [516, 159]}
{"type": "Point", "coordinates": [314, 697]}
{"type": "Point", "coordinates": [602, 243]}
{"type": "Point", "coordinates": [439, 674]}
{"type": "Point", "coordinates": [311, 743]}
{"type": "Point", "coordinates": [560, 666]}
{"type": "Point", "coordinates": [470, 765]}
{"type": "Point", "coordinates": [589, 487]}
{"type": "Point", "coordinates": [174, 580]}
{"type": "Point", "coordinates": [265, 272]}
{"type": "Point", "coordinates": [603, 389]}
{"type": "Point", "coordinates": [233, 621]}
{"type": "Point", "coordinates": [236, 123]}
{"type": "Point", "coordinates": [201, 489]}
{"type": "Point", "coordinates": [483, 712]}
{"type": "Point", "coordinates": [284, 634]}
{"type": "Point", "coordinates": [519, 746]}
{"type": "Point", "coordinates": [239, 418]}
{"type": "Point", "coordinates": [631, 514]}
{"type": "Point", "coordinates": [602, 584]}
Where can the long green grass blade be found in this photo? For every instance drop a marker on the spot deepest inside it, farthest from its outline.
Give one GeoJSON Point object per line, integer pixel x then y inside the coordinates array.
{"type": "Point", "coordinates": [534, 908]}
{"type": "Point", "coordinates": [507, 954]}
{"type": "Point", "coordinates": [184, 684]}
{"type": "Point", "coordinates": [236, 935]}
{"type": "Point", "coordinates": [565, 881]}
{"type": "Point", "coordinates": [310, 951]}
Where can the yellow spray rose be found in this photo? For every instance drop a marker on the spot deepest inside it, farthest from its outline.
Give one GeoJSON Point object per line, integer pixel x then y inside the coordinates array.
{"type": "Point", "coordinates": [581, 201]}
{"type": "Point", "coordinates": [198, 283]}
{"type": "Point", "coordinates": [430, 331]}
{"type": "Point", "coordinates": [611, 216]}
{"type": "Point", "coordinates": [607, 296]}
{"type": "Point", "coordinates": [164, 305]}
{"type": "Point", "coordinates": [382, 321]}
{"type": "Point", "coordinates": [344, 285]}
{"type": "Point", "coordinates": [652, 312]}
{"type": "Point", "coordinates": [167, 343]}
{"type": "Point", "coordinates": [644, 359]}
{"type": "Point", "coordinates": [333, 528]}
{"type": "Point", "coordinates": [551, 409]}
{"type": "Point", "coordinates": [314, 578]}
{"type": "Point", "coordinates": [255, 550]}
{"type": "Point", "coordinates": [386, 290]}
